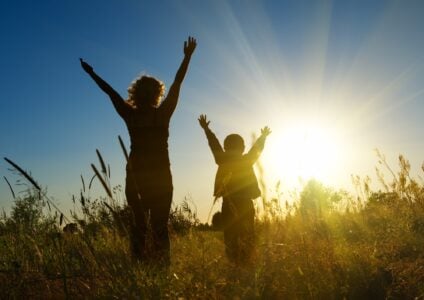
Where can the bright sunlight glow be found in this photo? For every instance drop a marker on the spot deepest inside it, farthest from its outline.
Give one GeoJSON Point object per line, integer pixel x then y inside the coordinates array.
{"type": "Point", "coordinates": [302, 151]}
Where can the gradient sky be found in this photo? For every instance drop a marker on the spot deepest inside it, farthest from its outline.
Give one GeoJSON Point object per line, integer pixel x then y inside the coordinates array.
{"type": "Point", "coordinates": [353, 67]}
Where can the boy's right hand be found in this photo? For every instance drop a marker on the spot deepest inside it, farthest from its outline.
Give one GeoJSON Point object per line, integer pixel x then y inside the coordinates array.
{"type": "Point", "coordinates": [204, 123]}
{"type": "Point", "coordinates": [265, 131]}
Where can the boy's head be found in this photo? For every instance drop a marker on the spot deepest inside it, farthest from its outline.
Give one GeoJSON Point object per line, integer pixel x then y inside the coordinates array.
{"type": "Point", "coordinates": [234, 143]}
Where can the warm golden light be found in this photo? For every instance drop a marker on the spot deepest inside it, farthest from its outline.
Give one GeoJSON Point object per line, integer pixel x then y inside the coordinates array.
{"type": "Point", "coordinates": [302, 151]}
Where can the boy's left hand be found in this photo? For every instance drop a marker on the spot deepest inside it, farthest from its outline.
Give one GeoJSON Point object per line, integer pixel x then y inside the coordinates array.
{"type": "Point", "coordinates": [204, 123]}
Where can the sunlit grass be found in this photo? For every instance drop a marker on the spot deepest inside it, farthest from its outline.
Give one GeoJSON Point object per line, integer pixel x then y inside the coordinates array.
{"type": "Point", "coordinates": [327, 244]}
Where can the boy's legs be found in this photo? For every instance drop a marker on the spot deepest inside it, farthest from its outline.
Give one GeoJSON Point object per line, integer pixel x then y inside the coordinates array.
{"type": "Point", "coordinates": [247, 234]}
{"type": "Point", "coordinates": [229, 218]}
{"type": "Point", "coordinates": [239, 230]}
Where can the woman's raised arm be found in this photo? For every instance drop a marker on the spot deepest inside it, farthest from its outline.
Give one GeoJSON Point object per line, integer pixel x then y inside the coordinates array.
{"type": "Point", "coordinates": [120, 105]}
{"type": "Point", "coordinates": [171, 100]}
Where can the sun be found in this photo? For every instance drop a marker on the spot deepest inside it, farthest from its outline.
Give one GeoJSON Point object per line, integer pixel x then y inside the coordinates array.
{"type": "Point", "coordinates": [302, 151]}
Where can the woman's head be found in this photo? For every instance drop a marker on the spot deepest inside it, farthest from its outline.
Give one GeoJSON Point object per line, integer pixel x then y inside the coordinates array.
{"type": "Point", "coordinates": [234, 143]}
{"type": "Point", "coordinates": [146, 91]}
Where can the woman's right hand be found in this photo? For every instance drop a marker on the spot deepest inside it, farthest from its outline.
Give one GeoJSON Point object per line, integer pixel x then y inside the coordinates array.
{"type": "Point", "coordinates": [189, 46]}
{"type": "Point", "coordinates": [86, 66]}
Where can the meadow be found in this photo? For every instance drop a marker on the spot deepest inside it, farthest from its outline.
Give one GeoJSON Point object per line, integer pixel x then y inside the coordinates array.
{"type": "Point", "coordinates": [326, 244]}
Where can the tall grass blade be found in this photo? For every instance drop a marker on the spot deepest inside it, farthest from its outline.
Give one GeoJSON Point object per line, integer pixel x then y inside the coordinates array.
{"type": "Point", "coordinates": [210, 210]}
{"type": "Point", "coordinates": [102, 162]}
{"type": "Point", "coordinates": [82, 200]}
{"type": "Point", "coordinates": [109, 207]}
{"type": "Point", "coordinates": [106, 187]}
{"type": "Point", "coordinates": [116, 217]}
{"type": "Point", "coordinates": [10, 187]}
{"type": "Point", "coordinates": [123, 148]}
{"type": "Point", "coordinates": [25, 174]}
{"type": "Point", "coordinates": [83, 183]}
{"type": "Point", "coordinates": [35, 184]}
{"type": "Point", "coordinates": [91, 181]}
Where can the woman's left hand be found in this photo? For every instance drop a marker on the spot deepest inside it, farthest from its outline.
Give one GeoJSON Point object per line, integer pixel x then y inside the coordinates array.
{"type": "Point", "coordinates": [86, 66]}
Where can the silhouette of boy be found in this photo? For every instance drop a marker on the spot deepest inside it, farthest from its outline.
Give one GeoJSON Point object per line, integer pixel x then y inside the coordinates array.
{"type": "Point", "coordinates": [237, 184]}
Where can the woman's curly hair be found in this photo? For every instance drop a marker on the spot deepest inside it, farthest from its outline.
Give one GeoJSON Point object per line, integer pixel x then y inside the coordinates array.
{"type": "Point", "coordinates": [146, 90]}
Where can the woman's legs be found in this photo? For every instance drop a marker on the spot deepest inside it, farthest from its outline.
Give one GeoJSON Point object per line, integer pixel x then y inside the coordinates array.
{"type": "Point", "coordinates": [160, 206]}
{"type": "Point", "coordinates": [139, 222]}
{"type": "Point", "coordinates": [149, 195]}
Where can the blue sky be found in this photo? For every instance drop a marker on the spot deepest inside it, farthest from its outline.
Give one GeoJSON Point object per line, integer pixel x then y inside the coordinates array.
{"type": "Point", "coordinates": [353, 67]}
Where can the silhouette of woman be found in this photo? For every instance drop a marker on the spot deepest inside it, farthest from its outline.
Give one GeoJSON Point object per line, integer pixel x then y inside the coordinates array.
{"type": "Point", "coordinates": [148, 180]}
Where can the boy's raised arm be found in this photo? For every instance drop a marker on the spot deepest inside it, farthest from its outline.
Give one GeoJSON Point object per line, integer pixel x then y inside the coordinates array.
{"type": "Point", "coordinates": [213, 142]}
{"type": "Point", "coordinates": [258, 146]}
{"type": "Point", "coordinates": [120, 105]}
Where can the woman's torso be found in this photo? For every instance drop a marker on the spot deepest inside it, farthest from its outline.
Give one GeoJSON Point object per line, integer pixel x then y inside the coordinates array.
{"type": "Point", "coordinates": [149, 131]}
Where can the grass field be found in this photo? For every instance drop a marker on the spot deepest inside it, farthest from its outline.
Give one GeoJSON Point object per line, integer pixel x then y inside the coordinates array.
{"type": "Point", "coordinates": [326, 245]}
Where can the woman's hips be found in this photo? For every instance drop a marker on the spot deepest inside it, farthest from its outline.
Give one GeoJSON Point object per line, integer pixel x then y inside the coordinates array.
{"type": "Point", "coordinates": [155, 180]}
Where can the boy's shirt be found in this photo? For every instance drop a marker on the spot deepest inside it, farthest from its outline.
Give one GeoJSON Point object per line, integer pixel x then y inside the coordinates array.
{"type": "Point", "coordinates": [235, 176]}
